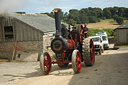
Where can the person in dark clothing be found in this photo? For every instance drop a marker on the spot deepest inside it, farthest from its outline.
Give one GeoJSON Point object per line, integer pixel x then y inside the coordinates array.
{"type": "Point", "coordinates": [74, 34]}
{"type": "Point", "coordinates": [86, 30]}
{"type": "Point", "coordinates": [69, 32]}
{"type": "Point", "coordinates": [64, 31]}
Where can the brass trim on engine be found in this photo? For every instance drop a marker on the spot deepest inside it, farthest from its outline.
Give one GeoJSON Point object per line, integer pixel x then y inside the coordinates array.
{"type": "Point", "coordinates": [57, 10]}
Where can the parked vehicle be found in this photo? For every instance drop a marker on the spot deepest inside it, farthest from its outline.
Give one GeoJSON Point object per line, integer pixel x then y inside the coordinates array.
{"type": "Point", "coordinates": [104, 38]}
{"type": "Point", "coordinates": [98, 44]}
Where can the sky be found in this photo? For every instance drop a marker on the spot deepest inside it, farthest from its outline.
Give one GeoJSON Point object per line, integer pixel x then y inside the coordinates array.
{"type": "Point", "coordinates": [42, 6]}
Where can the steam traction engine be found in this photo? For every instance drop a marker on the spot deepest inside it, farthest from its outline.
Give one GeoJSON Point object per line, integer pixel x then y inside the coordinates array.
{"type": "Point", "coordinates": [68, 49]}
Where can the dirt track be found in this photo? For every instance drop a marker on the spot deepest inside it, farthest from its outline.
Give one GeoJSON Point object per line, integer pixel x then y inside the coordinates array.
{"type": "Point", "coordinates": [109, 69]}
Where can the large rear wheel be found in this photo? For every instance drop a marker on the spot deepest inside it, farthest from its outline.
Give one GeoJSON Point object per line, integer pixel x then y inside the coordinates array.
{"type": "Point", "coordinates": [45, 63]}
{"type": "Point", "coordinates": [76, 61]}
{"type": "Point", "coordinates": [88, 52]}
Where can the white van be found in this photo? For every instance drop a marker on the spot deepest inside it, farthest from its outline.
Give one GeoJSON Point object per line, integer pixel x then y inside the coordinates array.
{"type": "Point", "coordinates": [104, 38]}
{"type": "Point", "coordinates": [98, 43]}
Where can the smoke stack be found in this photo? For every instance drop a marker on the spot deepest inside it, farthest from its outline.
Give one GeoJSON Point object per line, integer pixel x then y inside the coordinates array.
{"type": "Point", "coordinates": [57, 20]}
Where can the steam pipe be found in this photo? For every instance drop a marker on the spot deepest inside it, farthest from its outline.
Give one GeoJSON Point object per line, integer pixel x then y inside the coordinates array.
{"type": "Point", "coordinates": [57, 20]}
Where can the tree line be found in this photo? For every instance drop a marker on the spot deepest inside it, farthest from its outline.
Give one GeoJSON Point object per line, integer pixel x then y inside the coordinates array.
{"type": "Point", "coordinates": [93, 15]}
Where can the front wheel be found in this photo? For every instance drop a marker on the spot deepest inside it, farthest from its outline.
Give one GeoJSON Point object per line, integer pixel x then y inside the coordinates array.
{"type": "Point", "coordinates": [45, 63]}
{"type": "Point", "coordinates": [76, 61]}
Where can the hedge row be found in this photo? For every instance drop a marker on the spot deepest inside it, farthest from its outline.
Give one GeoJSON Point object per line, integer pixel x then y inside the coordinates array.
{"type": "Point", "coordinates": [110, 32]}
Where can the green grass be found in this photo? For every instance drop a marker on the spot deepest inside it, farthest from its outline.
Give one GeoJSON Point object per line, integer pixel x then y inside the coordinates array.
{"type": "Point", "coordinates": [109, 32]}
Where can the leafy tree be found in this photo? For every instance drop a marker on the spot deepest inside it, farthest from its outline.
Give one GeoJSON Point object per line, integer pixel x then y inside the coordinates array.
{"type": "Point", "coordinates": [99, 12]}
{"type": "Point", "coordinates": [107, 13]}
{"type": "Point", "coordinates": [92, 14]}
{"type": "Point", "coordinates": [114, 11]}
{"type": "Point", "coordinates": [66, 14]}
{"type": "Point", "coordinates": [65, 17]}
{"type": "Point", "coordinates": [21, 12]}
{"type": "Point", "coordinates": [126, 12]}
{"type": "Point", "coordinates": [120, 12]}
{"type": "Point", "coordinates": [92, 19]}
{"type": "Point", "coordinates": [83, 17]}
{"type": "Point", "coordinates": [87, 11]}
{"type": "Point", "coordinates": [49, 14]}
{"type": "Point", "coordinates": [72, 22]}
{"type": "Point", "coordinates": [119, 20]}
{"type": "Point", "coordinates": [115, 16]}
{"type": "Point", "coordinates": [74, 14]}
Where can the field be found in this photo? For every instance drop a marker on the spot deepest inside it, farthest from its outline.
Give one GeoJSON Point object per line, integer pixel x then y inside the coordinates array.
{"type": "Point", "coordinates": [104, 24]}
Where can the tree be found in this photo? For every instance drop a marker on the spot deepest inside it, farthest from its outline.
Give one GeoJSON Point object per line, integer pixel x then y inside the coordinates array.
{"type": "Point", "coordinates": [66, 14]}
{"type": "Point", "coordinates": [126, 12]}
{"type": "Point", "coordinates": [119, 20]}
{"type": "Point", "coordinates": [115, 16]}
{"type": "Point", "coordinates": [114, 11]}
{"type": "Point", "coordinates": [87, 11]}
{"type": "Point", "coordinates": [107, 13]}
{"type": "Point", "coordinates": [72, 22]}
{"type": "Point", "coordinates": [49, 14]}
{"type": "Point", "coordinates": [65, 17]}
{"type": "Point", "coordinates": [21, 12]}
{"type": "Point", "coordinates": [92, 14]}
{"type": "Point", "coordinates": [74, 14]}
{"type": "Point", "coordinates": [120, 12]}
{"type": "Point", "coordinates": [83, 18]}
{"type": "Point", "coordinates": [92, 19]}
{"type": "Point", "coordinates": [99, 12]}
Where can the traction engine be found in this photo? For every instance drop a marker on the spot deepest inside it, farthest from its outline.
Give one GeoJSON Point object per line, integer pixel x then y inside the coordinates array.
{"type": "Point", "coordinates": [69, 47]}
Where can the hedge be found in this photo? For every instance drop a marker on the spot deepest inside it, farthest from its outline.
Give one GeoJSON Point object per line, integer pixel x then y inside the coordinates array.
{"type": "Point", "coordinates": [110, 32]}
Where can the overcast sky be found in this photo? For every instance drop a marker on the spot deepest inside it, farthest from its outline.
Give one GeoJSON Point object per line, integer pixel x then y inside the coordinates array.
{"type": "Point", "coordinates": [39, 6]}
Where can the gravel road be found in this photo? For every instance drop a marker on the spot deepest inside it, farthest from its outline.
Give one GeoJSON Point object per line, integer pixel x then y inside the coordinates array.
{"type": "Point", "coordinates": [110, 69]}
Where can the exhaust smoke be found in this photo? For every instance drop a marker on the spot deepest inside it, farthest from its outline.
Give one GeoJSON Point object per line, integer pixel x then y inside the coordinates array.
{"type": "Point", "coordinates": [10, 5]}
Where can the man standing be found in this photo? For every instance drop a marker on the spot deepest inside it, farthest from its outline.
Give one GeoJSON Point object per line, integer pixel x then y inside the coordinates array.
{"type": "Point", "coordinates": [74, 34]}
{"type": "Point", "coordinates": [86, 30]}
{"type": "Point", "coordinates": [64, 31]}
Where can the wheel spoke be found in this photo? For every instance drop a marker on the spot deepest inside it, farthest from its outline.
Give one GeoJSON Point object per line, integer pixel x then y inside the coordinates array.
{"type": "Point", "coordinates": [78, 64]}
{"type": "Point", "coordinates": [76, 61]}
{"type": "Point", "coordinates": [46, 63]}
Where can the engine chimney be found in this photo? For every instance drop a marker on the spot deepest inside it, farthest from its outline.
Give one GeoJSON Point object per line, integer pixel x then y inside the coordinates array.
{"type": "Point", "coordinates": [57, 21]}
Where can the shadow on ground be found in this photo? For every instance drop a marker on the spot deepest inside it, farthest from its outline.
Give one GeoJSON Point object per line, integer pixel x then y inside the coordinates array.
{"type": "Point", "coordinates": [101, 74]}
